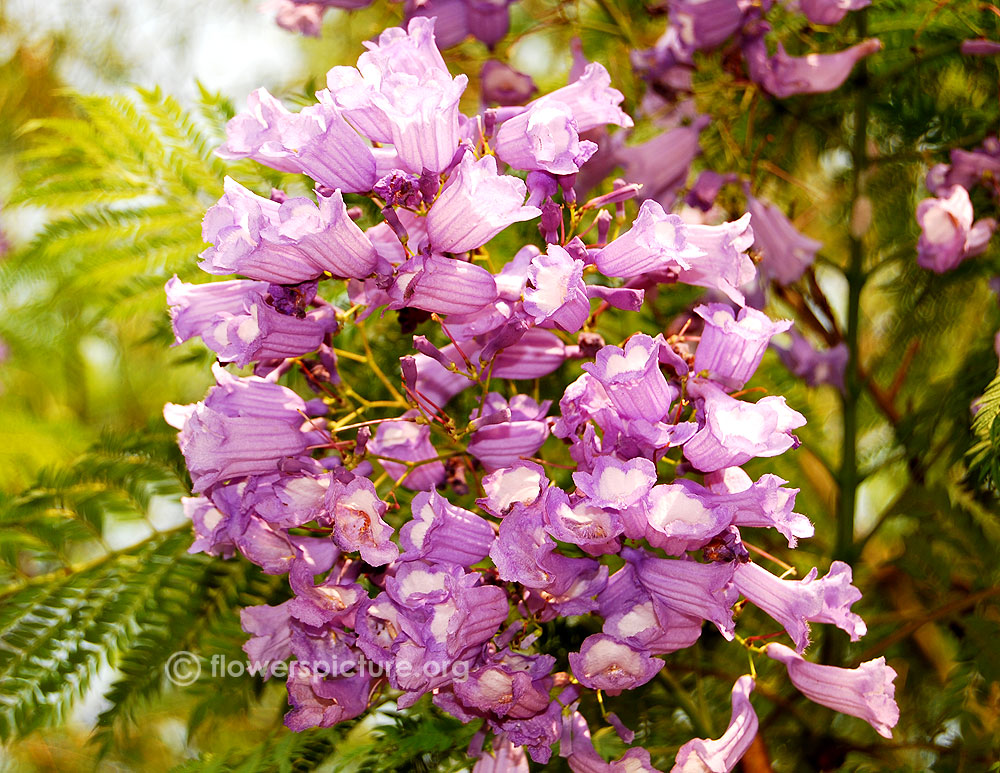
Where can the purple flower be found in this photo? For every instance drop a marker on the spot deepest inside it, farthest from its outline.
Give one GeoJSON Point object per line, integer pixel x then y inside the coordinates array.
{"type": "Point", "coordinates": [592, 100]}
{"type": "Point", "coordinates": [441, 532]}
{"type": "Point", "coordinates": [522, 483]}
{"type": "Point", "coordinates": [704, 24]}
{"type": "Point", "coordinates": [543, 137]}
{"type": "Point", "coordinates": [867, 691]}
{"type": "Point", "coordinates": [948, 235]}
{"type": "Point", "coordinates": [591, 527]}
{"type": "Point", "coordinates": [657, 241]}
{"type": "Point", "coordinates": [270, 635]}
{"type": "Point", "coordinates": [732, 346]}
{"type": "Point", "coordinates": [401, 93]}
{"type": "Point", "coordinates": [764, 504]}
{"type": "Point", "coordinates": [319, 701]}
{"type": "Point", "coordinates": [356, 512]}
{"type": "Point", "coordinates": [785, 253]}
{"type": "Point", "coordinates": [980, 47]}
{"type": "Point", "coordinates": [735, 431]}
{"type": "Point", "coordinates": [304, 18]}
{"type": "Point", "coordinates": [650, 626]}
{"type": "Point", "coordinates": [317, 142]}
{"type": "Point", "coordinates": [682, 518]}
{"type": "Point", "coordinates": [721, 756]}
{"type": "Point", "coordinates": [661, 164]}
{"type": "Point", "coordinates": [706, 189]}
{"type": "Point", "coordinates": [500, 83]}
{"type": "Point", "coordinates": [724, 266]}
{"type": "Point", "coordinates": [475, 186]}
{"type": "Point", "coordinates": [557, 293]}
{"type": "Point", "coordinates": [502, 444]}
{"type": "Point", "coordinates": [245, 426]}
{"type": "Point", "coordinates": [699, 590]}
{"type": "Point", "coordinates": [235, 320]}
{"type": "Point", "coordinates": [617, 485]}
{"type": "Point", "coordinates": [442, 284]}
{"type": "Point", "coordinates": [783, 75]}
{"type": "Point", "coordinates": [408, 441]}
{"type": "Point", "coordinates": [632, 378]}
{"type": "Point", "coordinates": [283, 243]}
{"type": "Point", "coordinates": [606, 664]}
{"type": "Point", "coordinates": [794, 603]}
{"type": "Point", "coordinates": [830, 11]}
{"type": "Point", "coordinates": [536, 354]}
{"type": "Point", "coordinates": [503, 758]}
{"type": "Point", "coordinates": [815, 366]}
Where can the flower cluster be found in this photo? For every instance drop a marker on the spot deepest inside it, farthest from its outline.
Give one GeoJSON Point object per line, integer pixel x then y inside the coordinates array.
{"type": "Point", "coordinates": [432, 545]}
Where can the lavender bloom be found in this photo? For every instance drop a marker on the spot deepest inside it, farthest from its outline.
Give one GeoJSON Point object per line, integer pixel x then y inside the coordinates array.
{"type": "Point", "coordinates": [656, 241]}
{"type": "Point", "coordinates": [632, 378]}
{"type": "Point", "coordinates": [794, 603]}
{"type": "Point", "coordinates": [544, 137]}
{"type": "Point", "coordinates": [736, 432]}
{"type": "Point", "coordinates": [473, 186]}
{"type": "Point", "coordinates": [699, 590]}
{"type": "Point", "coordinates": [732, 346]}
{"type": "Point", "coordinates": [706, 189]}
{"type": "Point", "coordinates": [401, 93]}
{"type": "Point", "coordinates": [535, 355]}
{"type": "Point", "coordinates": [646, 625]}
{"type": "Point", "coordinates": [323, 702]}
{"type": "Point", "coordinates": [489, 20]}
{"type": "Point", "coordinates": [617, 485]}
{"type": "Point", "coordinates": [502, 444]}
{"type": "Point", "coordinates": [605, 664]}
{"type": "Point", "coordinates": [211, 527]}
{"type": "Point", "coordinates": [764, 504]}
{"type": "Point", "coordinates": [591, 527]}
{"type": "Point", "coordinates": [812, 365]}
{"type": "Point", "coordinates": [830, 11]}
{"type": "Point", "coordinates": [557, 293]}
{"type": "Point", "coordinates": [283, 243]}
{"type": "Point", "coordinates": [948, 235]}
{"type": "Point", "coordinates": [317, 142]}
{"type": "Point", "coordinates": [504, 758]}
{"type": "Point", "coordinates": [725, 265]}
{"type": "Point", "coordinates": [244, 427]}
{"type": "Point", "coordinates": [661, 164]}
{"type": "Point", "coordinates": [593, 102]}
{"type": "Point", "coordinates": [444, 285]}
{"type": "Point", "coordinates": [235, 321]}
{"type": "Point", "coordinates": [680, 518]}
{"type": "Point", "coordinates": [500, 83]}
{"type": "Point", "coordinates": [722, 755]}
{"type": "Point", "coordinates": [303, 18]}
{"type": "Point", "coordinates": [704, 24]}
{"type": "Point", "coordinates": [356, 512]}
{"type": "Point", "coordinates": [508, 685]}
{"type": "Point", "coordinates": [785, 252]}
{"type": "Point", "coordinates": [522, 483]}
{"type": "Point", "coordinates": [866, 692]}
{"type": "Point", "coordinates": [270, 635]}
{"type": "Point", "coordinates": [980, 47]}
{"type": "Point", "coordinates": [408, 442]}
{"type": "Point", "coordinates": [783, 75]}
{"type": "Point", "coordinates": [451, 19]}
{"type": "Point", "coordinates": [440, 532]}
